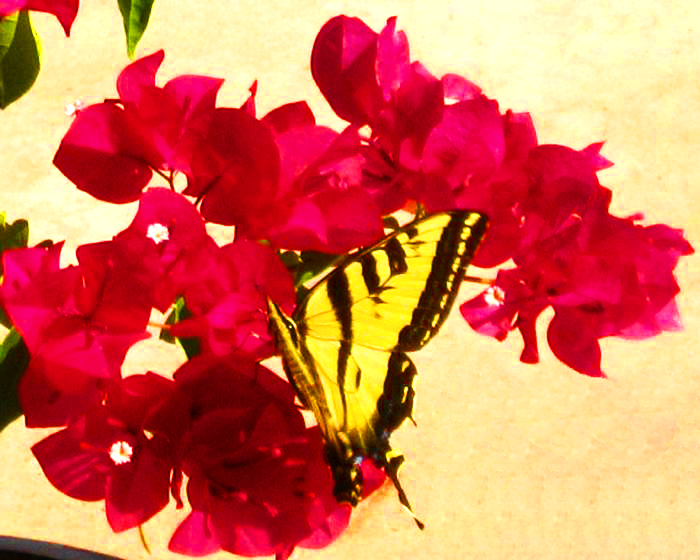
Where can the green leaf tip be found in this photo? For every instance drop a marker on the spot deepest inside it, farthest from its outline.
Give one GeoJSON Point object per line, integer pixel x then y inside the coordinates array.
{"type": "Point", "coordinates": [135, 15]}
{"type": "Point", "coordinates": [179, 312]}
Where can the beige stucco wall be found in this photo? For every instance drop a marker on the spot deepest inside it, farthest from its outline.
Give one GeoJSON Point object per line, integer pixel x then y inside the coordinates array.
{"type": "Point", "coordinates": [508, 461]}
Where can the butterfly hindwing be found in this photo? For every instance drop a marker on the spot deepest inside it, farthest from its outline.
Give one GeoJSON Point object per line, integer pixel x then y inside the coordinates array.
{"type": "Point", "coordinates": [344, 349]}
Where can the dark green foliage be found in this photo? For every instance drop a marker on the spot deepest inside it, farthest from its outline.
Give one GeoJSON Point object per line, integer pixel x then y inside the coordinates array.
{"type": "Point", "coordinates": [20, 57]}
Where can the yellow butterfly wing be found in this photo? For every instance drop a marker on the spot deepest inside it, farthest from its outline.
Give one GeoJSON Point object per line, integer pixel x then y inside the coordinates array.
{"type": "Point", "coordinates": [345, 347]}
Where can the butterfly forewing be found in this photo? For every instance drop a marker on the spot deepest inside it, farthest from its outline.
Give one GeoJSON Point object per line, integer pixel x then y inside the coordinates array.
{"type": "Point", "coordinates": [403, 286]}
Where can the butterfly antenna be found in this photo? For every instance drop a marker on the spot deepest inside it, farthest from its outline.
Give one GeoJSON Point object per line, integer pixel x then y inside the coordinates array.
{"type": "Point", "coordinates": [392, 471]}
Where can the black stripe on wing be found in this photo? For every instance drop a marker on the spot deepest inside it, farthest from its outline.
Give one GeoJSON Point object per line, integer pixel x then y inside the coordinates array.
{"type": "Point", "coordinates": [340, 297]}
{"type": "Point", "coordinates": [398, 264]}
{"type": "Point", "coordinates": [459, 241]}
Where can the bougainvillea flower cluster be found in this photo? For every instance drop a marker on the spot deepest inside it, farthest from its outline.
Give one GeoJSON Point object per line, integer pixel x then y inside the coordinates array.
{"type": "Point", "coordinates": [224, 422]}
{"type": "Point", "coordinates": [603, 275]}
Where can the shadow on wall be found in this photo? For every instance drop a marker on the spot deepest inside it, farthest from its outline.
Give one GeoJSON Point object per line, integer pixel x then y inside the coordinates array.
{"type": "Point", "coordinates": [13, 548]}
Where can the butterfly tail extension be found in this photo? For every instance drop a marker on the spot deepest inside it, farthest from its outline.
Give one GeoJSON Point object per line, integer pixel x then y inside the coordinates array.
{"type": "Point", "coordinates": [348, 475]}
{"type": "Point", "coordinates": [392, 463]}
{"type": "Point", "coordinates": [394, 406]}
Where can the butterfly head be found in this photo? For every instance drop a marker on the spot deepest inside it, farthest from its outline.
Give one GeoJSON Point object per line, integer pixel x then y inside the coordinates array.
{"type": "Point", "coordinates": [282, 325]}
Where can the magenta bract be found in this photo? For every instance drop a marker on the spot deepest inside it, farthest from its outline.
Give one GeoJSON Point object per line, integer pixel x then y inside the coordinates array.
{"type": "Point", "coordinates": [105, 454]}
{"type": "Point", "coordinates": [343, 66]}
{"type": "Point", "coordinates": [604, 276]}
{"type": "Point", "coordinates": [229, 305]}
{"type": "Point", "coordinates": [172, 242]}
{"type": "Point", "coordinates": [237, 428]}
{"type": "Point", "coordinates": [77, 322]}
{"type": "Point", "coordinates": [108, 153]}
{"type": "Point", "coordinates": [64, 10]}
{"type": "Point", "coordinates": [236, 170]}
{"type": "Point", "coordinates": [112, 148]}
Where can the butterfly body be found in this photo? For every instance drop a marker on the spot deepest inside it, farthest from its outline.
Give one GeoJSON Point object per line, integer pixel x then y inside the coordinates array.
{"type": "Point", "coordinates": [344, 348]}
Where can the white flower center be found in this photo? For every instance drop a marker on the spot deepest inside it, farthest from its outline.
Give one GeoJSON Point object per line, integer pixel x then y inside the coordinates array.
{"type": "Point", "coordinates": [74, 108]}
{"type": "Point", "coordinates": [494, 296]}
{"type": "Point", "coordinates": [121, 452]}
{"type": "Point", "coordinates": [158, 233]}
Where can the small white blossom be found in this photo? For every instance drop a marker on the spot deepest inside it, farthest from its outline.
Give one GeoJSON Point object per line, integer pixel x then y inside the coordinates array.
{"type": "Point", "coordinates": [158, 233]}
{"type": "Point", "coordinates": [494, 296]}
{"type": "Point", "coordinates": [121, 452]}
{"type": "Point", "coordinates": [74, 108]}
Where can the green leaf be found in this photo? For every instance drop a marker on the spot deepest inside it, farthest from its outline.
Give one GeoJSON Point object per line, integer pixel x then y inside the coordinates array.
{"type": "Point", "coordinates": [173, 318]}
{"type": "Point", "coordinates": [46, 244]}
{"type": "Point", "coordinates": [20, 57]}
{"type": "Point", "coordinates": [191, 346]}
{"type": "Point", "coordinates": [291, 260]}
{"type": "Point", "coordinates": [135, 14]}
{"type": "Point", "coordinates": [8, 27]}
{"type": "Point", "coordinates": [312, 264]}
{"type": "Point", "coordinates": [14, 358]}
{"type": "Point", "coordinates": [13, 236]}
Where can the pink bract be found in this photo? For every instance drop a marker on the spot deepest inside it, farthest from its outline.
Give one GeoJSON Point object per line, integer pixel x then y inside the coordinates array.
{"type": "Point", "coordinates": [235, 170]}
{"type": "Point", "coordinates": [112, 148]}
{"type": "Point", "coordinates": [64, 10]}
{"type": "Point", "coordinates": [173, 242]}
{"type": "Point", "coordinates": [105, 454]}
{"type": "Point", "coordinates": [238, 428]}
{"type": "Point", "coordinates": [604, 276]}
{"type": "Point", "coordinates": [77, 322]}
{"type": "Point", "coordinates": [327, 207]}
{"type": "Point", "coordinates": [229, 307]}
